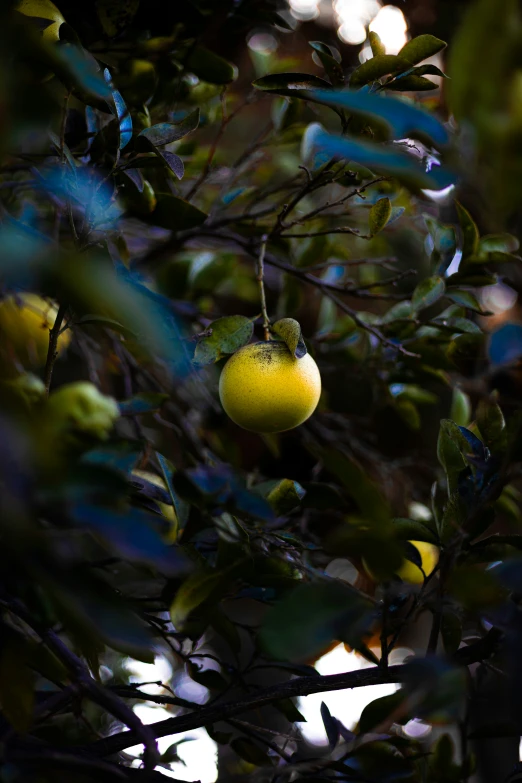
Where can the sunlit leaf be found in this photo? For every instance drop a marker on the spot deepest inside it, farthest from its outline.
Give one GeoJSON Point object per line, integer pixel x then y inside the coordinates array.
{"type": "Point", "coordinates": [420, 48]}
{"type": "Point", "coordinates": [380, 214]}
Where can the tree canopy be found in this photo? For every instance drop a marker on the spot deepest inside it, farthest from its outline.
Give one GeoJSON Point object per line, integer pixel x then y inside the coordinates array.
{"type": "Point", "coordinates": [169, 195]}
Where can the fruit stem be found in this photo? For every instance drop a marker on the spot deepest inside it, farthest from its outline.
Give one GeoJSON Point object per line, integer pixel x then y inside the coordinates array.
{"type": "Point", "coordinates": [261, 281]}
{"type": "Point", "coordinates": [52, 352]}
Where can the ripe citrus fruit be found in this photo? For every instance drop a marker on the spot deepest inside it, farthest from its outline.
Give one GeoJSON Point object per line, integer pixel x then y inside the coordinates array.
{"type": "Point", "coordinates": [411, 573]}
{"type": "Point", "coordinates": [263, 388]}
{"type": "Point", "coordinates": [25, 321]}
{"type": "Point", "coordinates": [46, 10]}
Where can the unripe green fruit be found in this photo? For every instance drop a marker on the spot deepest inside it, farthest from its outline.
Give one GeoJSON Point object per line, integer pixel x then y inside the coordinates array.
{"type": "Point", "coordinates": [79, 409]}
{"type": "Point", "coordinates": [141, 204]}
{"type": "Point", "coordinates": [263, 388]}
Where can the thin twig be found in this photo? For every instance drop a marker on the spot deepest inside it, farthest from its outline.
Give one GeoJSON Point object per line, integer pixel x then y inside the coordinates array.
{"type": "Point", "coordinates": [261, 282]}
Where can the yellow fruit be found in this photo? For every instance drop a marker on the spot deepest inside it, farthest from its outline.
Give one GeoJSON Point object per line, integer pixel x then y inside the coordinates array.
{"type": "Point", "coordinates": [263, 388]}
{"type": "Point", "coordinates": [43, 9]}
{"type": "Point", "coordinates": [411, 573]}
{"type": "Point", "coordinates": [80, 409]}
{"type": "Point", "coordinates": [25, 321]}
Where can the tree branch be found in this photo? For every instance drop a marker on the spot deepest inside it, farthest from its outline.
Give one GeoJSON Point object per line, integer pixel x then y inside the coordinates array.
{"type": "Point", "coordinates": [96, 692]}
{"type": "Point", "coordinates": [300, 686]}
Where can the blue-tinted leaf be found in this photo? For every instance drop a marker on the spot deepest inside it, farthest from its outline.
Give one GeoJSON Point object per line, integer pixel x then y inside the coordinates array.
{"type": "Point", "coordinates": [134, 535]}
{"type": "Point", "coordinates": [122, 112]}
{"type": "Point", "coordinates": [392, 161]}
{"type": "Point", "coordinates": [399, 118]}
{"type": "Point", "coordinates": [181, 507]}
{"type": "Point", "coordinates": [505, 344]}
{"type": "Point", "coordinates": [147, 402]}
{"type": "Point", "coordinates": [167, 132]}
{"type": "Point", "coordinates": [173, 161]}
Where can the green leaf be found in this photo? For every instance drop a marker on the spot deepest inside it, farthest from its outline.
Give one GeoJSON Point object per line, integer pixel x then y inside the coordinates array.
{"type": "Point", "coordinates": [376, 67]}
{"type": "Point", "coordinates": [475, 589]}
{"type": "Point", "coordinates": [429, 69]}
{"type": "Point", "coordinates": [409, 413]}
{"type": "Point", "coordinates": [490, 420]}
{"type": "Point", "coordinates": [167, 132]}
{"type": "Point", "coordinates": [307, 619]}
{"type": "Point", "coordinates": [380, 214]}
{"type": "Point", "coordinates": [249, 751]}
{"type": "Point", "coordinates": [491, 257]}
{"type": "Point", "coordinates": [329, 63]}
{"type": "Point", "coordinates": [380, 159]}
{"type": "Point", "coordinates": [376, 44]}
{"type": "Point", "coordinates": [449, 453]}
{"type": "Point", "coordinates": [228, 335]}
{"type": "Point", "coordinates": [378, 711]}
{"type": "Point", "coordinates": [464, 298]}
{"type": "Point", "coordinates": [210, 67]}
{"type": "Point", "coordinates": [411, 83]}
{"type": "Point", "coordinates": [501, 243]}
{"type": "Point", "coordinates": [175, 214]}
{"type": "Point", "coordinates": [290, 330]}
{"type": "Point", "coordinates": [460, 411]}
{"type": "Point", "coordinates": [366, 494]}
{"type": "Point", "coordinates": [470, 233]}
{"type": "Point", "coordinates": [116, 15]}
{"type": "Point", "coordinates": [283, 495]}
{"type": "Point", "coordinates": [109, 323]}
{"type": "Point", "coordinates": [397, 117]}
{"type": "Point", "coordinates": [420, 48]}
{"type": "Point", "coordinates": [289, 83]}
{"type": "Point", "coordinates": [413, 530]}
{"type": "Point", "coordinates": [197, 589]}
{"type": "Point", "coordinates": [428, 292]}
